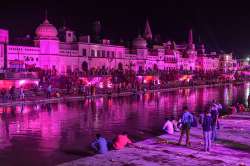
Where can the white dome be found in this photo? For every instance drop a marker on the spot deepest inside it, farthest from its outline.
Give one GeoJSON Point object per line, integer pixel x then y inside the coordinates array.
{"type": "Point", "coordinates": [46, 30]}
{"type": "Point", "coordinates": [139, 42]}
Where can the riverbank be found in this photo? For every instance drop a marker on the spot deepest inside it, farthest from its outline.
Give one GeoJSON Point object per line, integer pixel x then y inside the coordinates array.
{"type": "Point", "coordinates": [42, 99]}
{"type": "Point", "coordinates": [231, 149]}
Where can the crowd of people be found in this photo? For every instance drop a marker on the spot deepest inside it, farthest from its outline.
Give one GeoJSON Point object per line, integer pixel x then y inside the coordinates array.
{"type": "Point", "coordinates": [123, 80]}
{"type": "Point", "coordinates": [12, 94]}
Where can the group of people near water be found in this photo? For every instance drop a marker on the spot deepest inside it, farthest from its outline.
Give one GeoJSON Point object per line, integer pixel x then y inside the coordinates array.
{"type": "Point", "coordinates": [208, 119]}
{"type": "Point", "coordinates": [101, 145]}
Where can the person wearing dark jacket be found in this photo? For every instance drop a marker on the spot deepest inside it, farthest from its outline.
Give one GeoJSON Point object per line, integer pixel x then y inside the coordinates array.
{"type": "Point", "coordinates": [207, 130]}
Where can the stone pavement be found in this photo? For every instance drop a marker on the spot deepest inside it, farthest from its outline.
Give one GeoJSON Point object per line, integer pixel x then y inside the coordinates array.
{"type": "Point", "coordinates": [231, 149]}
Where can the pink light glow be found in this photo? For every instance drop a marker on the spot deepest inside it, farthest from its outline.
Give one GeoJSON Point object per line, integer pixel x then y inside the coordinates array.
{"type": "Point", "coordinates": [25, 83]}
{"type": "Point", "coordinates": [148, 79]}
{"type": "Point", "coordinates": [100, 82]}
{"type": "Point", "coordinates": [22, 82]}
{"type": "Point", "coordinates": [101, 85]}
{"type": "Point", "coordinates": [185, 78]}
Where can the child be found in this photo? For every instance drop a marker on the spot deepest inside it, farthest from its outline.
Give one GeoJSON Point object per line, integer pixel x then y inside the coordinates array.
{"type": "Point", "coordinates": [168, 127]}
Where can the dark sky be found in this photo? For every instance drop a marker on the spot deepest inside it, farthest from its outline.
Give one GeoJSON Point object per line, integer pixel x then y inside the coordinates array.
{"type": "Point", "coordinates": [222, 25]}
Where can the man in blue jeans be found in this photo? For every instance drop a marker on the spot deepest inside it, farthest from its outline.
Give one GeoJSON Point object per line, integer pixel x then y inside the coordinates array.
{"type": "Point", "coordinates": [215, 116]}
{"type": "Point", "coordinates": [186, 121]}
{"type": "Point", "coordinates": [207, 127]}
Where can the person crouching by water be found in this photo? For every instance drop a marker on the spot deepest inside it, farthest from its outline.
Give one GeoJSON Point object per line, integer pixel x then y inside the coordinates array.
{"type": "Point", "coordinates": [207, 130]}
{"type": "Point", "coordinates": [100, 144]}
{"type": "Point", "coordinates": [121, 141]}
{"type": "Point", "coordinates": [168, 126]}
{"type": "Point", "coordinates": [186, 120]}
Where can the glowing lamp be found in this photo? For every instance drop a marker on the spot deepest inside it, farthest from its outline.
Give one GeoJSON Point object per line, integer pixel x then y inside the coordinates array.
{"type": "Point", "coordinates": [21, 82]}
{"type": "Point", "coordinates": [101, 85]}
{"type": "Point", "coordinates": [109, 85]}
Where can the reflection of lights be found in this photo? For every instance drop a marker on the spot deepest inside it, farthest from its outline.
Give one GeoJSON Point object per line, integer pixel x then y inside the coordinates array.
{"type": "Point", "coordinates": [36, 82]}
{"type": "Point", "coordinates": [247, 91]}
{"type": "Point", "coordinates": [146, 96]}
{"type": "Point", "coordinates": [110, 102]}
{"type": "Point", "coordinates": [226, 96]}
{"type": "Point", "coordinates": [36, 107]}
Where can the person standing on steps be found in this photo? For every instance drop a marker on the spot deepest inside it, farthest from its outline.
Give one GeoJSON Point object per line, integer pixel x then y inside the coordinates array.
{"type": "Point", "coordinates": [215, 116]}
{"type": "Point", "coordinates": [186, 120]}
{"type": "Point", "coordinates": [49, 90]}
{"type": "Point", "coordinates": [21, 93]}
{"type": "Point", "coordinates": [207, 127]}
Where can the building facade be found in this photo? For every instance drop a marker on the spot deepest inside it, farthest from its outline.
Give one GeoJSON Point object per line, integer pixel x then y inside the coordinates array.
{"type": "Point", "coordinates": [63, 51]}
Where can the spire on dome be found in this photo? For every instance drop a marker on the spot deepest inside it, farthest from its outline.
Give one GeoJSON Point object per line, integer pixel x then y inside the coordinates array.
{"type": "Point", "coordinates": [46, 14]}
{"type": "Point", "coordinates": [64, 22]}
{"type": "Point", "coordinates": [46, 21]}
{"type": "Point", "coordinates": [190, 37]}
{"type": "Point", "coordinates": [46, 30]}
{"type": "Point", "coordinates": [148, 33]}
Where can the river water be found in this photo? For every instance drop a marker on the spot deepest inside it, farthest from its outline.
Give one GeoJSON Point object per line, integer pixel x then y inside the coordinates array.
{"type": "Point", "coordinates": [49, 134]}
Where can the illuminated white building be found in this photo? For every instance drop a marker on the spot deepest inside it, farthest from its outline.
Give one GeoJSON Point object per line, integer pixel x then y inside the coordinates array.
{"type": "Point", "coordinates": [63, 51]}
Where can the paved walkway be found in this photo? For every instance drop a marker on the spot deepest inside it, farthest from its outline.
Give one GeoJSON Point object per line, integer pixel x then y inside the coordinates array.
{"type": "Point", "coordinates": [231, 149]}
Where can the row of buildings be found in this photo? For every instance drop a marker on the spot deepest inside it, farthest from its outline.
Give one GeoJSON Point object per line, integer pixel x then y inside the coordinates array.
{"type": "Point", "coordinates": [60, 49]}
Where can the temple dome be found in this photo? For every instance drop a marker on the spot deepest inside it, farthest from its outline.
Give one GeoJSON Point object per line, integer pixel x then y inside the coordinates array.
{"type": "Point", "coordinates": [139, 42]}
{"type": "Point", "coordinates": [46, 31]}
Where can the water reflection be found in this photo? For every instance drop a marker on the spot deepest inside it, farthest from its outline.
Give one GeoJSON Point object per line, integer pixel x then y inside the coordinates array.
{"type": "Point", "coordinates": [52, 132]}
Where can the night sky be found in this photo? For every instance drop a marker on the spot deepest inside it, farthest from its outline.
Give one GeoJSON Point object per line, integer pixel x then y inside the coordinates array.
{"type": "Point", "coordinates": [222, 25]}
